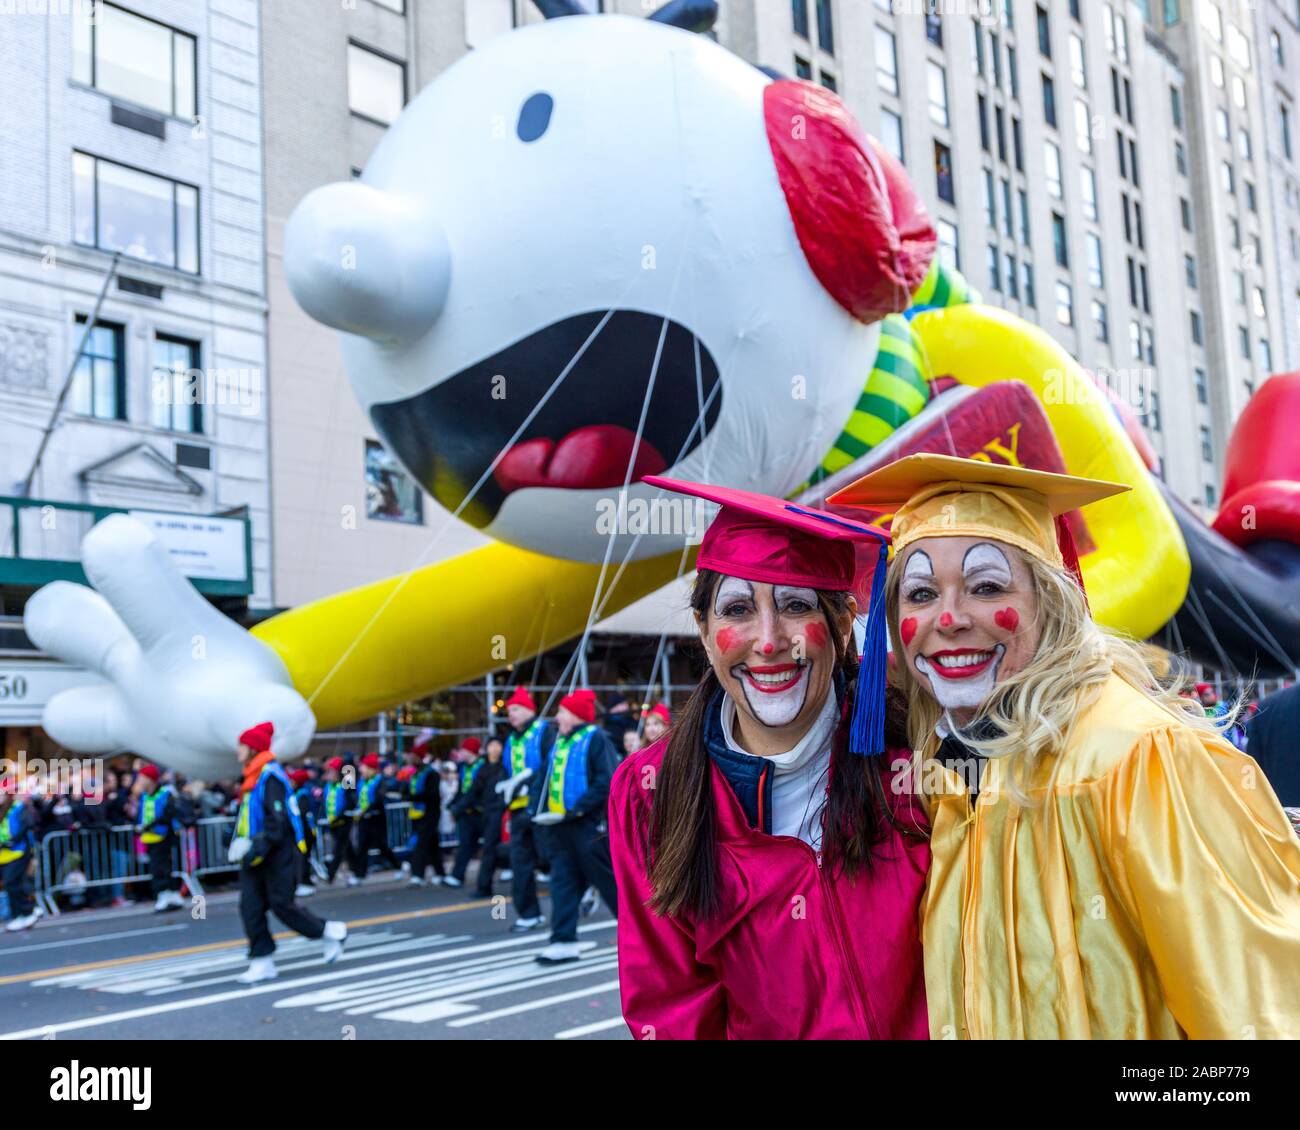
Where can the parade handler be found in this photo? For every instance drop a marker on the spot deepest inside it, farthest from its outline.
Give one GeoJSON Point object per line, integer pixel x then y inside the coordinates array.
{"type": "Point", "coordinates": [530, 742]}
{"type": "Point", "coordinates": [572, 805]}
{"type": "Point", "coordinates": [1105, 864]}
{"type": "Point", "coordinates": [158, 826]}
{"type": "Point", "coordinates": [269, 841]}
{"type": "Point", "coordinates": [17, 847]}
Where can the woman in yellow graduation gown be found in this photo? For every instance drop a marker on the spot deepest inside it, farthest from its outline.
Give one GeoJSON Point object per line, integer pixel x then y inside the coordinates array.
{"type": "Point", "coordinates": [1105, 865]}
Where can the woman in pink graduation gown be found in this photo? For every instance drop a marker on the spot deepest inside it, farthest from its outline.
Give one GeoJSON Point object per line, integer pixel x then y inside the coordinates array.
{"type": "Point", "coordinates": [769, 874]}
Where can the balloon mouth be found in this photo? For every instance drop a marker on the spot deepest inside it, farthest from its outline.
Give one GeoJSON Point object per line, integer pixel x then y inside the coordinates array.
{"type": "Point", "coordinates": [482, 430]}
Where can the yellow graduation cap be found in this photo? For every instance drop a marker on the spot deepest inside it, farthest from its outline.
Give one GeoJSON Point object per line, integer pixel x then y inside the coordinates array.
{"type": "Point", "coordinates": [943, 496]}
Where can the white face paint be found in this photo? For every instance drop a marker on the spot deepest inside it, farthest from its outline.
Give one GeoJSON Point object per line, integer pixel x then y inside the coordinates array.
{"type": "Point", "coordinates": [982, 562]}
{"type": "Point", "coordinates": [772, 677]}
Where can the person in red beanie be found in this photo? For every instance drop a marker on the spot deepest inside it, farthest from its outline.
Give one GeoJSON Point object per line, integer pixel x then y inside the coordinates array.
{"type": "Point", "coordinates": [336, 802]}
{"type": "Point", "coordinates": [527, 748]}
{"type": "Point", "coordinates": [655, 722]}
{"type": "Point", "coordinates": [270, 837]}
{"type": "Point", "coordinates": [371, 822]}
{"type": "Point", "coordinates": [571, 806]}
{"type": "Point", "coordinates": [159, 823]}
{"type": "Point", "coordinates": [469, 817]}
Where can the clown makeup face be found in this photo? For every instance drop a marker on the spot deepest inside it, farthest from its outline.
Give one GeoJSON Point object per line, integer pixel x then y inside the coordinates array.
{"type": "Point", "coordinates": [771, 649]}
{"type": "Point", "coordinates": [967, 615]}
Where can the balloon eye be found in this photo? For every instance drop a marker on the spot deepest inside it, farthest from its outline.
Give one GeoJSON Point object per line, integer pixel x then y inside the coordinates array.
{"type": "Point", "coordinates": [534, 117]}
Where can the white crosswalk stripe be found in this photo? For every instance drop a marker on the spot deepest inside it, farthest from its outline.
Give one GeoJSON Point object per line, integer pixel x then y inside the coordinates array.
{"type": "Point", "coordinates": [401, 978]}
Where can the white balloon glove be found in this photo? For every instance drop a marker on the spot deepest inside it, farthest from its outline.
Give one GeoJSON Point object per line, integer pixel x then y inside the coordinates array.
{"type": "Point", "coordinates": [547, 818]}
{"type": "Point", "coordinates": [181, 681]}
{"type": "Point", "coordinates": [507, 787]}
{"type": "Point", "coordinates": [240, 846]}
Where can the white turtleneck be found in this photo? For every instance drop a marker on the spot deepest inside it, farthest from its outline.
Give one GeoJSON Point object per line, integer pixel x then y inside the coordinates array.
{"type": "Point", "coordinates": [799, 783]}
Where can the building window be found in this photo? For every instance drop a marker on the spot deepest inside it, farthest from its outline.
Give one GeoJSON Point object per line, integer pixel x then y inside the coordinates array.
{"type": "Point", "coordinates": [1197, 336]}
{"type": "Point", "coordinates": [1078, 69]}
{"type": "Point", "coordinates": [1013, 282]}
{"type": "Point", "coordinates": [1189, 263]}
{"type": "Point", "coordinates": [1285, 112]}
{"type": "Point", "coordinates": [1212, 19]}
{"type": "Point", "coordinates": [995, 273]}
{"type": "Point", "coordinates": [982, 109]}
{"type": "Point", "coordinates": [1088, 188]}
{"type": "Point", "coordinates": [934, 25]}
{"type": "Point", "coordinates": [1243, 342]}
{"type": "Point", "coordinates": [99, 379]}
{"type": "Point", "coordinates": [1016, 145]}
{"type": "Point", "coordinates": [828, 81]}
{"type": "Point", "coordinates": [990, 213]}
{"type": "Point", "coordinates": [1059, 241]}
{"type": "Point", "coordinates": [1027, 282]}
{"type": "Point", "coordinates": [799, 16]}
{"type": "Point", "coordinates": [1044, 32]}
{"type": "Point", "coordinates": [1185, 211]}
{"type": "Point", "coordinates": [1100, 321]}
{"type": "Point", "coordinates": [1082, 126]}
{"type": "Point", "coordinates": [943, 171]}
{"type": "Point", "coordinates": [1265, 356]}
{"type": "Point", "coordinates": [1023, 198]}
{"type": "Point", "coordinates": [376, 85]}
{"type": "Point", "coordinates": [1176, 104]}
{"type": "Point", "coordinates": [886, 61]}
{"type": "Point", "coordinates": [949, 253]}
{"type": "Point", "coordinates": [1135, 341]}
{"type": "Point", "coordinates": [1049, 101]}
{"type": "Point", "coordinates": [891, 134]}
{"type": "Point", "coordinates": [1216, 71]}
{"type": "Point", "coordinates": [938, 91]}
{"type": "Point", "coordinates": [177, 390]}
{"type": "Point", "coordinates": [802, 68]}
{"type": "Point", "coordinates": [1064, 304]}
{"type": "Point", "coordinates": [1096, 275]}
{"type": "Point", "coordinates": [1052, 161]}
{"type": "Point", "coordinates": [391, 496]}
{"type": "Point", "coordinates": [1229, 178]}
{"type": "Point", "coordinates": [1257, 302]}
{"type": "Point", "coordinates": [116, 208]}
{"type": "Point", "coordinates": [1202, 388]}
{"type": "Point", "coordinates": [1207, 445]}
{"type": "Point", "coordinates": [825, 27]}
{"type": "Point", "coordinates": [1180, 158]}
{"type": "Point", "coordinates": [1244, 146]}
{"type": "Point", "coordinates": [1222, 126]}
{"type": "Point", "coordinates": [135, 59]}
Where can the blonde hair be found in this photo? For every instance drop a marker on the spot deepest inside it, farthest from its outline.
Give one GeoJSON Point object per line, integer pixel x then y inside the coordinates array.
{"type": "Point", "coordinates": [1035, 708]}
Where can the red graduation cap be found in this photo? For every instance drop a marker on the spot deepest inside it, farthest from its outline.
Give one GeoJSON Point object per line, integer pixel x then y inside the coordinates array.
{"type": "Point", "coordinates": [759, 538]}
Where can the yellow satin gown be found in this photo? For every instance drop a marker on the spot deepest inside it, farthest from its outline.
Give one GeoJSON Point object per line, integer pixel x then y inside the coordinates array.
{"type": "Point", "coordinates": [1154, 893]}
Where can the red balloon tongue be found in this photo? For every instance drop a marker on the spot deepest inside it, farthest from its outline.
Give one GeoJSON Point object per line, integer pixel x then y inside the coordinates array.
{"type": "Point", "coordinates": [590, 457]}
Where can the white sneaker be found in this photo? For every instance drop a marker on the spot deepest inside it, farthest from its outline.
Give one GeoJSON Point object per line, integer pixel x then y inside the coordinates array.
{"type": "Point", "coordinates": [406, 866]}
{"type": "Point", "coordinates": [590, 903]}
{"type": "Point", "coordinates": [557, 953]}
{"type": "Point", "coordinates": [506, 875]}
{"type": "Point", "coordinates": [523, 925]}
{"type": "Point", "coordinates": [26, 922]}
{"type": "Point", "coordinates": [336, 934]}
{"type": "Point", "coordinates": [544, 877]}
{"type": "Point", "coordinates": [451, 881]}
{"type": "Point", "coordinates": [303, 891]}
{"type": "Point", "coordinates": [259, 969]}
{"type": "Point", "coordinates": [353, 881]}
{"type": "Point", "coordinates": [320, 870]}
{"type": "Point", "coordinates": [415, 881]}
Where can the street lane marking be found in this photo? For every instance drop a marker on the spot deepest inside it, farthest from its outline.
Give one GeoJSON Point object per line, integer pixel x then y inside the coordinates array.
{"type": "Point", "coordinates": [588, 1029]}
{"type": "Point", "coordinates": [271, 987]}
{"type": "Point", "coordinates": [531, 1006]}
{"type": "Point", "coordinates": [5, 951]}
{"type": "Point", "coordinates": [213, 947]}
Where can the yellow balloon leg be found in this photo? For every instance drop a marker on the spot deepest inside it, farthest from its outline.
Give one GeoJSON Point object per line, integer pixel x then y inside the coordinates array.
{"type": "Point", "coordinates": [402, 638]}
{"type": "Point", "coordinates": [1137, 578]}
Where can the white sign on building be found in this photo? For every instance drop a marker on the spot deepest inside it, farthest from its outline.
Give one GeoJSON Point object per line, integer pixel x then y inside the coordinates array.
{"type": "Point", "coordinates": [200, 546]}
{"type": "Point", "coordinates": [26, 685]}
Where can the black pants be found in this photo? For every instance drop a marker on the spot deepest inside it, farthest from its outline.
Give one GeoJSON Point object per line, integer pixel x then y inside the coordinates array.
{"type": "Point", "coordinates": [305, 874]}
{"type": "Point", "coordinates": [427, 848]}
{"type": "Point", "coordinates": [487, 862]}
{"type": "Point", "coordinates": [372, 832]}
{"type": "Point", "coordinates": [17, 880]}
{"type": "Point", "coordinates": [579, 851]}
{"type": "Point", "coordinates": [523, 862]}
{"type": "Point", "coordinates": [340, 848]}
{"type": "Point", "coordinates": [160, 867]}
{"type": "Point", "coordinates": [469, 827]}
{"type": "Point", "coordinates": [269, 887]}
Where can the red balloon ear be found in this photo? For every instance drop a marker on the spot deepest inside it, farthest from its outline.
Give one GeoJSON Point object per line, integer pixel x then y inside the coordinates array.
{"type": "Point", "coordinates": [862, 228]}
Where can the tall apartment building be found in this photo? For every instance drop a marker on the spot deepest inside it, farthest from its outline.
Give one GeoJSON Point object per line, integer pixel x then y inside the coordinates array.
{"type": "Point", "coordinates": [1277, 45]}
{"type": "Point", "coordinates": [133, 129]}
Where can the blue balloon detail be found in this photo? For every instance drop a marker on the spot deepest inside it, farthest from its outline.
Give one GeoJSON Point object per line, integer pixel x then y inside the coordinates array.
{"type": "Point", "coordinates": [535, 116]}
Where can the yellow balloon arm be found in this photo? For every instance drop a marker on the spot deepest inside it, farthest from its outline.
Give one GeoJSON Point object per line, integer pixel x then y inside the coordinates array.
{"type": "Point", "coordinates": [377, 646]}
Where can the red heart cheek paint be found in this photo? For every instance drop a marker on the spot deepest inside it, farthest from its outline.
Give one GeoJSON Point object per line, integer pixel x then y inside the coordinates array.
{"type": "Point", "coordinates": [728, 639]}
{"type": "Point", "coordinates": [815, 634]}
{"type": "Point", "coordinates": [907, 629]}
{"type": "Point", "coordinates": [1007, 618]}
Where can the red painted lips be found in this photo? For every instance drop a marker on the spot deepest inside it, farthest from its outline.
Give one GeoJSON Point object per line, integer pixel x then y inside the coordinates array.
{"type": "Point", "coordinates": [589, 457]}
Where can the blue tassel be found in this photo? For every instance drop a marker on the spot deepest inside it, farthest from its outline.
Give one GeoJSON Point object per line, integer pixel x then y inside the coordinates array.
{"type": "Point", "coordinates": [867, 727]}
